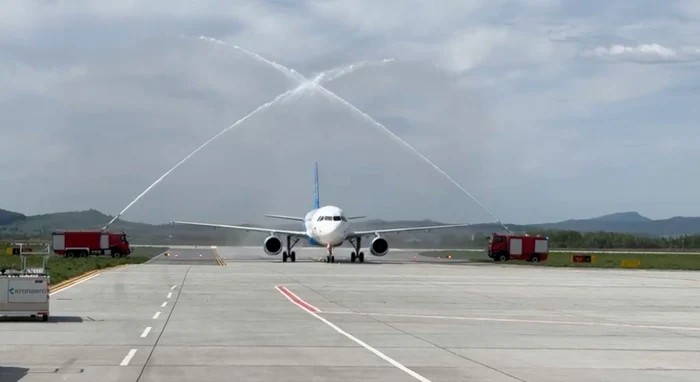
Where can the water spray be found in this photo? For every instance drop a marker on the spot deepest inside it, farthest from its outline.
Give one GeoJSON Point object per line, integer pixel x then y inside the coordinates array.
{"type": "Point", "coordinates": [306, 84]}
{"type": "Point", "coordinates": [295, 75]}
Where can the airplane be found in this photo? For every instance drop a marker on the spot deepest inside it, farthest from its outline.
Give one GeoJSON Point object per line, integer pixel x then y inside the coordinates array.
{"type": "Point", "coordinates": [326, 226]}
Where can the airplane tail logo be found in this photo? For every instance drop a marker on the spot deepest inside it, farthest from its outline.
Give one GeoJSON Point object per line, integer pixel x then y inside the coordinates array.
{"type": "Point", "coordinates": [317, 201]}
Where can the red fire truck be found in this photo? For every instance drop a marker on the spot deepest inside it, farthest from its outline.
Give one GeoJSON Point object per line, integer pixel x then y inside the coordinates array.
{"type": "Point", "coordinates": [518, 247]}
{"type": "Point", "coordinates": [86, 243]}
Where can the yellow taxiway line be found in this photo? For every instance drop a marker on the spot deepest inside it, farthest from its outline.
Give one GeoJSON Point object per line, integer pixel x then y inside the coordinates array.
{"type": "Point", "coordinates": [217, 257]}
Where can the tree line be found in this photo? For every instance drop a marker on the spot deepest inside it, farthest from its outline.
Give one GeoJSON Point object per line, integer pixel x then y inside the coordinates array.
{"type": "Point", "coordinates": [560, 239]}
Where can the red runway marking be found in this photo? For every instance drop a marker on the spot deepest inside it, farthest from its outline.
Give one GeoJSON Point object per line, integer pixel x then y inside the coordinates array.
{"type": "Point", "coordinates": [296, 300]}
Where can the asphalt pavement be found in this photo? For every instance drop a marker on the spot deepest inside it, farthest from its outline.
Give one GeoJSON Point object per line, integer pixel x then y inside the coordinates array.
{"type": "Point", "coordinates": [190, 318]}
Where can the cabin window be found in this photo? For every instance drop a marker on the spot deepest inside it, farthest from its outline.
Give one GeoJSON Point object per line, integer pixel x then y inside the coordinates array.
{"type": "Point", "coordinates": [336, 218]}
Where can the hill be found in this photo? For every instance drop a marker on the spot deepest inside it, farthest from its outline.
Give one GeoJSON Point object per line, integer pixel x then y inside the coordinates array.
{"type": "Point", "coordinates": [630, 222]}
{"type": "Point", "coordinates": [18, 226]}
{"type": "Point", "coordinates": [8, 217]}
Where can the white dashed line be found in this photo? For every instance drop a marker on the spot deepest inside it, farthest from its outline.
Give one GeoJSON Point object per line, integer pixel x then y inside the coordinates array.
{"type": "Point", "coordinates": [155, 316]}
{"type": "Point", "coordinates": [170, 294]}
{"type": "Point", "coordinates": [173, 287]}
{"type": "Point", "coordinates": [145, 332]}
{"type": "Point", "coordinates": [128, 358]}
{"type": "Point", "coordinates": [164, 304]}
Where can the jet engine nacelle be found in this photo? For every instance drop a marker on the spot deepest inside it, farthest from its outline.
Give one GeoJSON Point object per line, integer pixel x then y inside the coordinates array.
{"type": "Point", "coordinates": [379, 246]}
{"type": "Point", "coordinates": [272, 245]}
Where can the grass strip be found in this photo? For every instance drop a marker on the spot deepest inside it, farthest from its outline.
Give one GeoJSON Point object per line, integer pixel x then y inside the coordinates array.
{"type": "Point", "coordinates": [677, 261]}
{"type": "Point", "coordinates": [61, 269]}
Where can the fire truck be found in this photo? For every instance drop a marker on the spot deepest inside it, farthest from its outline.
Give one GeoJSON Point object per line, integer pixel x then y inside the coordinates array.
{"type": "Point", "coordinates": [504, 247]}
{"type": "Point", "coordinates": [86, 243]}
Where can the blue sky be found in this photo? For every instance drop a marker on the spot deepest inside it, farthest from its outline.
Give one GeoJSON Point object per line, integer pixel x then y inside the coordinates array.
{"type": "Point", "coordinates": [544, 110]}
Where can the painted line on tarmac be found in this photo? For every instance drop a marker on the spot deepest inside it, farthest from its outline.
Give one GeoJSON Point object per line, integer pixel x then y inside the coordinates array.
{"type": "Point", "coordinates": [217, 256]}
{"type": "Point", "coordinates": [66, 284]}
{"type": "Point", "coordinates": [127, 359]}
{"type": "Point", "coordinates": [522, 321]}
{"type": "Point", "coordinates": [298, 302]}
{"type": "Point", "coordinates": [155, 316]}
{"type": "Point", "coordinates": [164, 304]}
{"type": "Point", "coordinates": [170, 294]}
{"type": "Point", "coordinates": [145, 332]}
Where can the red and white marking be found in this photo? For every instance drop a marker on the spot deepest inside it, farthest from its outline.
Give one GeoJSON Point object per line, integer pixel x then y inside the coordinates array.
{"type": "Point", "coordinates": [312, 310]}
{"type": "Point", "coordinates": [296, 300]}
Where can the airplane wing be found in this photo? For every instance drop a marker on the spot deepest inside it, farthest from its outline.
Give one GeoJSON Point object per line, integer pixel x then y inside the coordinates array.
{"type": "Point", "coordinates": [356, 234]}
{"type": "Point", "coordinates": [285, 217]}
{"type": "Point", "coordinates": [299, 234]}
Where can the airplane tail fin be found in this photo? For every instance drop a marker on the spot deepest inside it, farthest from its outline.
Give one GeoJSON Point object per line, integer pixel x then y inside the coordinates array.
{"type": "Point", "coordinates": [317, 201]}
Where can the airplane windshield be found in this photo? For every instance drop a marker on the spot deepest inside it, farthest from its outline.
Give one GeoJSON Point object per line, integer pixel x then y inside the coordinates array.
{"type": "Point", "coordinates": [327, 218]}
{"type": "Point", "coordinates": [343, 218]}
{"type": "Point", "coordinates": [336, 218]}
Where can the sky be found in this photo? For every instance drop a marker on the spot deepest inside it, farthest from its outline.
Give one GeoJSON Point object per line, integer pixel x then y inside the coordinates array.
{"type": "Point", "coordinates": [542, 110]}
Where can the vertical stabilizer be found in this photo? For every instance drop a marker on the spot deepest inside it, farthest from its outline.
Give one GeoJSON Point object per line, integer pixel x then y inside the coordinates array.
{"type": "Point", "coordinates": [317, 201]}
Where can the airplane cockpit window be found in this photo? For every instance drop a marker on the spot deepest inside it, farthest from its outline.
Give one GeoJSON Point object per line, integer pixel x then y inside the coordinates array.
{"type": "Point", "coordinates": [319, 218]}
{"type": "Point", "coordinates": [336, 218]}
{"type": "Point", "coordinates": [327, 218]}
{"type": "Point", "coordinates": [343, 218]}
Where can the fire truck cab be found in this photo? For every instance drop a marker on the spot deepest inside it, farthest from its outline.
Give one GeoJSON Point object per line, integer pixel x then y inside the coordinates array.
{"type": "Point", "coordinates": [504, 247]}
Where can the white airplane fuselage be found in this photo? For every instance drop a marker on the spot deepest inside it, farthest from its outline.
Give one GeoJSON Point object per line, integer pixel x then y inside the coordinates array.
{"type": "Point", "coordinates": [326, 226]}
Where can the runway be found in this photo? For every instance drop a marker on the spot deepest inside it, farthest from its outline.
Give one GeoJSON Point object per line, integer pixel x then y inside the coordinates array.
{"type": "Point", "coordinates": [187, 318]}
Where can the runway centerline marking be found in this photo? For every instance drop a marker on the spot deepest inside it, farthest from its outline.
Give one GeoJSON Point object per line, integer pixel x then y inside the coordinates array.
{"type": "Point", "coordinates": [127, 359]}
{"type": "Point", "coordinates": [155, 316]}
{"type": "Point", "coordinates": [170, 294]}
{"type": "Point", "coordinates": [522, 321]}
{"type": "Point", "coordinates": [173, 287]}
{"type": "Point", "coordinates": [145, 332]}
{"type": "Point", "coordinates": [164, 304]}
{"type": "Point", "coordinates": [310, 309]}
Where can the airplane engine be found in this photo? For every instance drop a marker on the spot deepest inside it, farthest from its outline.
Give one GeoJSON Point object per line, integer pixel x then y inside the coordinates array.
{"type": "Point", "coordinates": [272, 245]}
{"type": "Point", "coordinates": [379, 246]}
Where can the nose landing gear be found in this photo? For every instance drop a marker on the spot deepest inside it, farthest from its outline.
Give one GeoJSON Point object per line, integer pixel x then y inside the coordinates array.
{"type": "Point", "coordinates": [329, 254]}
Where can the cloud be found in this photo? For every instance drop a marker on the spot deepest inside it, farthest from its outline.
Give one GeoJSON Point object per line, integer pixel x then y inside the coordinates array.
{"type": "Point", "coordinates": [521, 102]}
{"type": "Point", "coordinates": [646, 53]}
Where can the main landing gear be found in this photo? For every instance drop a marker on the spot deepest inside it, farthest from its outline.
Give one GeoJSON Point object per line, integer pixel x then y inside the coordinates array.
{"type": "Point", "coordinates": [289, 254]}
{"type": "Point", "coordinates": [356, 255]}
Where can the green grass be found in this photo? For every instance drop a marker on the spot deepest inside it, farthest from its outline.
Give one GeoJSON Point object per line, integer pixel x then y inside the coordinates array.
{"type": "Point", "coordinates": [61, 269]}
{"type": "Point", "coordinates": [603, 260]}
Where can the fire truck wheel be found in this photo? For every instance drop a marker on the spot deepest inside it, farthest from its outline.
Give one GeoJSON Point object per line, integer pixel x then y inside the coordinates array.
{"type": "Point", "coordinates": [535, 258]}
{"type": "Point", "coordinates": [502, 257]}
{"type": "Point", "coordinates": [45, 318]}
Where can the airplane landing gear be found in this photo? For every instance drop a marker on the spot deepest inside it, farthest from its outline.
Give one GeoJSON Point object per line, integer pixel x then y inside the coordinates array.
{"type": "Point", "coordinates": [329, 254]}
{"type": "Point", "coordinates": [356, 255]}
{"type": "Point", "coordinates": [289, 254]}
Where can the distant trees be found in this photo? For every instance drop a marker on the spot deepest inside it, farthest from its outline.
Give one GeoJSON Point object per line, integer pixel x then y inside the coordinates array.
{"type": "Point", "coordinates": [609, 240]}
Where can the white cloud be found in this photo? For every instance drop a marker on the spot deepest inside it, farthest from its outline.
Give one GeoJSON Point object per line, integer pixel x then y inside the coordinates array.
{"type": "Point", "coordinates": [646, 53]}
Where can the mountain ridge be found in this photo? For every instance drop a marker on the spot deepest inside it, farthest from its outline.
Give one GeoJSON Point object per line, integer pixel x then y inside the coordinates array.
{"type": "Point", "coordinates": [620, 222]}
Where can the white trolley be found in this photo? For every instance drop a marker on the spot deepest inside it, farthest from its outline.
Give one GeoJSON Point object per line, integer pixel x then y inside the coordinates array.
{"type": "Point", "coordinates": [25, 292]}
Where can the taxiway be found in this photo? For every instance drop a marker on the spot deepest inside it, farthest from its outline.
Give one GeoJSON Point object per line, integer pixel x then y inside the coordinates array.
{"type": "Point", "coordinates": [187, 318]}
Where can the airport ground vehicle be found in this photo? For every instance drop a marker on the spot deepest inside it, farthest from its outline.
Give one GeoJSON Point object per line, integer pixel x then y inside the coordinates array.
{"type": "Point", "coordinates": [518, 247]}
{"type": "Point", "coordinates": [86, 243]}
{"type": "Point", "coordinates": [25, 292]}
